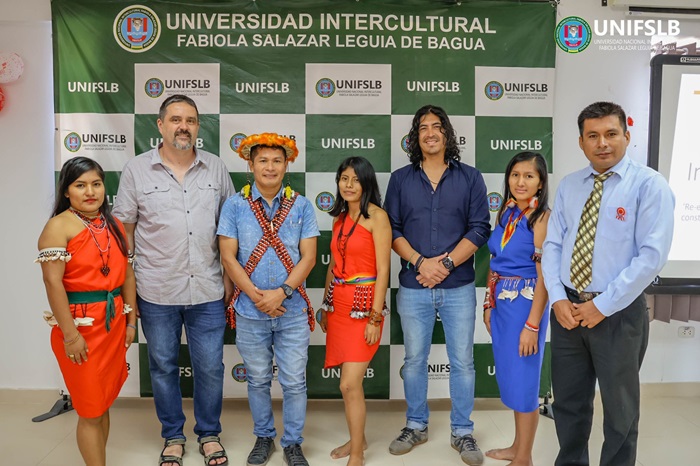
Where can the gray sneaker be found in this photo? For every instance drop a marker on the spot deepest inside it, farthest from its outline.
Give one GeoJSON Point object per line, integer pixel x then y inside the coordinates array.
{"type": "Point", "coordinates": [407, 439]}
{"type": "Point", "coordinates": [293, 456]}
{"type": "Point", "coordinates": [468, 449]}
{"type": "Point", "coordinates": [261, 452]}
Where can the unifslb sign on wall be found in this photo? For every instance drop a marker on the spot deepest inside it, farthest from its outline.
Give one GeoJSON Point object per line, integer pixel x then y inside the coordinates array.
{"type": "Point", "coordinates": [342, 78]}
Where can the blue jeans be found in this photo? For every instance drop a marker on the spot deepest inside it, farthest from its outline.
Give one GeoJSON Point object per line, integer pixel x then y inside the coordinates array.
{"type": "Point", "coordinates": [204, 325]}
{"type": "Point", "coordinates": [290, 337]}
{"type": "Point", "coordinates": [418, 310]}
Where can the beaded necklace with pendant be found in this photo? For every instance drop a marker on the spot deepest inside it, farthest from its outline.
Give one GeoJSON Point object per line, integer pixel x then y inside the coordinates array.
{"type": "Point", "coordinates": [343, 239]}
{"type": "Point", "coordinates": [96, 226]}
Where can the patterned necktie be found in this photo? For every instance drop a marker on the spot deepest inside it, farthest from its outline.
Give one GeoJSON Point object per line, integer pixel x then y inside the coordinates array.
{"type": "Point", "coordinates": [582, 257]}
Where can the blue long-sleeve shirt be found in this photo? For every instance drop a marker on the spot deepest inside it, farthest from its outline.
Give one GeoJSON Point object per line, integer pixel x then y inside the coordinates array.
{"type": "Point", "coordinates": [434, 221]}
{"type": "Point", "coordinates": [633, 236]}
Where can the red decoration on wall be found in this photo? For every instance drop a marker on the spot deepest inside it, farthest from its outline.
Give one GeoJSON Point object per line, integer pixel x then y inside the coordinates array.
{"type": "Point", "coordinates": [630, 121]}
{"type": "Point", "coordinates": [2, 99]}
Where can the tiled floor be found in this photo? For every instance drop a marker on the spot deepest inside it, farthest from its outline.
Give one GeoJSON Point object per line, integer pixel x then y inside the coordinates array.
{"type": "Point", "coordinates": [669, 432]}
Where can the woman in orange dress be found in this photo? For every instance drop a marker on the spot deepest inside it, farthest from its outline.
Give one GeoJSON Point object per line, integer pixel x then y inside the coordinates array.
{"type": "Point", "coordinates": [356, 284]}
{"type": "Point", "coordinates": [90, 286]}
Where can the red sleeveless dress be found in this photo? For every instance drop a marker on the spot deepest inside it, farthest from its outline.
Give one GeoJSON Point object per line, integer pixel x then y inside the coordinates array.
{"type": "Point", "coordinates": [94, 385]}
{"type": "Point", "coordinates": [345, 339]}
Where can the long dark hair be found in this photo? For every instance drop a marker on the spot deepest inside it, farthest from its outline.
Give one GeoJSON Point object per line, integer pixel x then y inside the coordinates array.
{"type": "Point", "coordinates": [368, 181]}
{"type": "Point", "coordinates": [542, 193]}
{"type": "Point", "coordinates": [71, 171]}
{"type": "Point", "coordinates": [415, 154]}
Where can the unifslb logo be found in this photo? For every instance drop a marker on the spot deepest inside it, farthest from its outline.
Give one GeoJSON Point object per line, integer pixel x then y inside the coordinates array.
{"type": "Point", "coordinates": [573, 34]}
{"type": "Point", "coordinates": [324, 201]}
{"type": "Point", "coordinates": [404, 144]}
{"type": "Point", "coordinates": [325, 87]}
{"type": "Point", "coordinates": [73, 142]}
{"type": "Point", "coordinates": [495, 200]}
{"type": "Point", "coordinates": [235, 141]}
{"type": "Point", "coordinates": [239, 373]}
{"type": "Point", "coordinates": [154, 88]}
{"type": "Point", "coordinates": [136, 28]}
{"type": "Point", "coordinates": [493, 90]}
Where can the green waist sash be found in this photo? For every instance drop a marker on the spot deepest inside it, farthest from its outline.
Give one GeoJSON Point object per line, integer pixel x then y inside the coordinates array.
{"type": "Point", "coordinates": [87, 297]}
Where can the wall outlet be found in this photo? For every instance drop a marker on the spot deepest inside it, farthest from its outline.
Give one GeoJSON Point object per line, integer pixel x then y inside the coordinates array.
{"type": "Point", "coordinates": [687, 331]}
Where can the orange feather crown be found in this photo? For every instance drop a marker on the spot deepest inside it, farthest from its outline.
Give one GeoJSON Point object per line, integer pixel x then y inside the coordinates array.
{"type": "Point", "coordinates": [268, 139]}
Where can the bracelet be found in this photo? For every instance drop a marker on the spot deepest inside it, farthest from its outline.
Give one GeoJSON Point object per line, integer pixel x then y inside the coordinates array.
{"type": "Point", "coordinates": [410, 258]}
{"type": "Point", "coordinates": [376, 318]}
{"type": "Point", "coordinates": [65, 342]}
{"type": "Point", "coordinates": [419, 262]}
{"type": "Point", "coordinates": [487, 300]}
{"type": "Point", "coordinates": [532, 328]}
{"type": "Point", "coordinates": [375, 322]}
{"type": "Point", "coordinates": [132, 326]}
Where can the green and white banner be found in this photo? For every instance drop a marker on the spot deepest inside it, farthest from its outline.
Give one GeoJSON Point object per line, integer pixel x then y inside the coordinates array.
{"type": "Point", "coordinates": [342, 78]}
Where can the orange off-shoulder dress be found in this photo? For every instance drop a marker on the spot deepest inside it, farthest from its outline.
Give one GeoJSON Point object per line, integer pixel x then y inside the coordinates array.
{"type": "Point", "coordinates": [94, 385]}
{"type": "Point", "coordinates": [345, 339]}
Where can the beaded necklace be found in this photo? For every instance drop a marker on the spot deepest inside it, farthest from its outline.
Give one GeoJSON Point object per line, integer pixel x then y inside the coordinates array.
{"type": "Point", "coordinates": [96, 226]}
{"type": "Point", "coordinates": [511, 225]}
{"type": "Point", "coordinates": [343, 239]}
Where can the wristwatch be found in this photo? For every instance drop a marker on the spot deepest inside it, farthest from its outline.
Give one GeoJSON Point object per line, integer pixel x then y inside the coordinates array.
{"type": "Point", "coordinates": [449, 265]}
{"type": "Point", "coordinates": [288, 291]}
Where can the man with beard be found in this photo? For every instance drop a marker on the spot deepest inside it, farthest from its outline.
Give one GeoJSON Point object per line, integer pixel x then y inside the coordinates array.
{"type": "Point", "coordinates": [169, 200]}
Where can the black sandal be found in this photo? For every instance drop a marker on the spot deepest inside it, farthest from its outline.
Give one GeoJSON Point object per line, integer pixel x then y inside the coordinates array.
{"type": "Point", "coordinates": [170, 458]}
{"type": "Point", "coordinates": [216, 455]}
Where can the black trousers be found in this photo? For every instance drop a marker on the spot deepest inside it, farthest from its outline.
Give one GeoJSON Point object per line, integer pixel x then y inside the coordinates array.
{"type": "Point", "coordinates": [612, 353]}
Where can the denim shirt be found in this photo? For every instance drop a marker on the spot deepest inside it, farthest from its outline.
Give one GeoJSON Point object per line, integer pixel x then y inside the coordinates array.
{"type": "Point", "coordinates": [238, 221]}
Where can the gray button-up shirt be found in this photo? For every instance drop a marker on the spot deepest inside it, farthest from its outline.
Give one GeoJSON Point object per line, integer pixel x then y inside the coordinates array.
{"type": "Point", "coordinates": [177, 253]}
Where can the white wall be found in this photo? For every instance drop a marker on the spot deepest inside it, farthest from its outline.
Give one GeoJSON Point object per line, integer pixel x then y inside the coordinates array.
{"type": "Point", "coordinates": [26, 178]}
{"type": "Point", "coordinates": [26, 185]}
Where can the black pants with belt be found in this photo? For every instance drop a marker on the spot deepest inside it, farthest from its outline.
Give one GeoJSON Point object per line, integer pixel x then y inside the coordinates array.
{"type": "Point", "coordinates": [611, 352]}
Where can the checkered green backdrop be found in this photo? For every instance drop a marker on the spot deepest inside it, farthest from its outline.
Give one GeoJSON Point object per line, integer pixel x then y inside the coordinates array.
{"type": "Point", "coordinates": [340, 77]}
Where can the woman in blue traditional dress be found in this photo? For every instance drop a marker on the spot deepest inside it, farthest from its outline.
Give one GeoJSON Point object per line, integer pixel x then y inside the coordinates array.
{"type": "Point", "coordinates": [515, 308]}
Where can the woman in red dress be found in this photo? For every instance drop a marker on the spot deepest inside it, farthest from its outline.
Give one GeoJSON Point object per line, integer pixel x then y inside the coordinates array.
{"type": "Point", "coordinates": [90, 286]}
{"type": "Point", "coordinates": [356, 285]}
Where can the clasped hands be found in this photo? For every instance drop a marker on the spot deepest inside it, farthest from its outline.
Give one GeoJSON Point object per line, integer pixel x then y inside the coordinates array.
{"type": "Point", "coordinates": [432, 272]}
{"type": "Point", "coordinates": [269, 301]}
{"type": "Point", "coordinates": [571, 315]}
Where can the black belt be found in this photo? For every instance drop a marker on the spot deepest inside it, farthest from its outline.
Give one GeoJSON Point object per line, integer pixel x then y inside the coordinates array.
{"type": "Point", "coordinates": [581, 297]}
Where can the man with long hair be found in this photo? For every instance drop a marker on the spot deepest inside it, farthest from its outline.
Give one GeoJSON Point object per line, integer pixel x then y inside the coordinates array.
{"type": "Point", "coordinates": [439, 215]}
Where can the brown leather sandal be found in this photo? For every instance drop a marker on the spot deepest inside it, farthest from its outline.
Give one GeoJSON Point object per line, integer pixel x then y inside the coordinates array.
{"type": "Point", "coordinates": [216, 455]}
{"type": "Point", "coordinates": [170, 458]}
